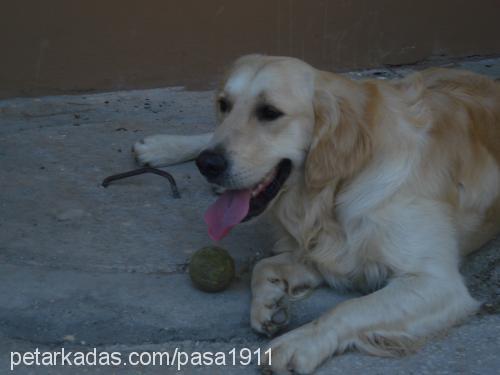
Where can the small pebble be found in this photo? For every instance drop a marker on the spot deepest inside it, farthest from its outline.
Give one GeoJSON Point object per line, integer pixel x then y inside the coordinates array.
{"type": "Point", "coordinates": [71, 214]}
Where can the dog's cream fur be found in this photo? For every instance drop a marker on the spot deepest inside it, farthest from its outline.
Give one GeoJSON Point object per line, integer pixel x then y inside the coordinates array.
{"type": "Point", "coordinates": [392, 182]}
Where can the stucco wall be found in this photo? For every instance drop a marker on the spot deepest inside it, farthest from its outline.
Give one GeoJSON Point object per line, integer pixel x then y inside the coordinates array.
{"type": "Point", "coordinates": [60, 46]}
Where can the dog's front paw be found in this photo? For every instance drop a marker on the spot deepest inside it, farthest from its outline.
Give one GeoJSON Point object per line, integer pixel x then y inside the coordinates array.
{"type": "Point", "coordinates": [150, 151]}
{"type": "Point", "coordinates": [270, 316]}
{"type": "Point", "coordinates": [300, 351]}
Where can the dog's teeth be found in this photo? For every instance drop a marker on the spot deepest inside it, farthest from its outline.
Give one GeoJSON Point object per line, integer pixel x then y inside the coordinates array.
{"type": "Point", "coordinates": [265, 182]}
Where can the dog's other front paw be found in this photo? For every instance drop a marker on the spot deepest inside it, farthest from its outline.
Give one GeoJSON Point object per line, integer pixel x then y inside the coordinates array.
{"type": "Point", "coordinates": [300, 351]}
{"type": "Point", "coordinates": [166, 149]}
{"type": "Point", "coordinates": [150, 151]}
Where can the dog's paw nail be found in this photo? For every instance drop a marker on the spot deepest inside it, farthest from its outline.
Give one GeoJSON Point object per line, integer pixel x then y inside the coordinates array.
{"type": "Point", "coordinates": [270, 329]}
{"type": "Point", "coordinates": [280, 317]}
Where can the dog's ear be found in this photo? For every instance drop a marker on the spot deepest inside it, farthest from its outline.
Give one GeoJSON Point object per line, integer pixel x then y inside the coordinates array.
{"type": "Point", "coordinates": [340, 143]}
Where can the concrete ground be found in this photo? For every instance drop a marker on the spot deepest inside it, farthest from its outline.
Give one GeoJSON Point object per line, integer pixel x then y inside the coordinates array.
{"type": "Point", "coordinates": [82, 266]}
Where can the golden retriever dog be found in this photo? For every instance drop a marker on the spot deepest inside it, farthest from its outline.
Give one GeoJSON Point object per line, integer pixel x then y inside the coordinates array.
{"type": "Point", "coordinates": [378, 186]}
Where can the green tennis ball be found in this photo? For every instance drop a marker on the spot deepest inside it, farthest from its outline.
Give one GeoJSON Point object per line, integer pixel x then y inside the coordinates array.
{"type": "Point", "coordinates": [211, 269]}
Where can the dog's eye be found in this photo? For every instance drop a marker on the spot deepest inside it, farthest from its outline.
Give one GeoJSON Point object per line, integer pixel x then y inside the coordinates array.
{"type": "Point", "coordinates": [268, 113]}
{"type": "Point", "coordinates": [224, 105]}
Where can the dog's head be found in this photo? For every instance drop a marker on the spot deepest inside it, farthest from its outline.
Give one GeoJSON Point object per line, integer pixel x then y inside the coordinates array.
{"type": "Point", "coordinates": [278, 118]}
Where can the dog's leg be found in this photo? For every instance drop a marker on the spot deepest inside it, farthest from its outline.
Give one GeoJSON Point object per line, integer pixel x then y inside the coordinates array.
{"type": "Point", "coordinates": [275, 281]}
{"type": "Point", "coordinates": [388, 322]}
{"type": "Point", "coordinates": [426, 294]}
{"type": "Point", "coordinates": [163, 149]}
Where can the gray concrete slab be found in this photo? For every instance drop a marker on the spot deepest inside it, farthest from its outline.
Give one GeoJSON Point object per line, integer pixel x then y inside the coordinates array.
{"type": "Point", "coordinates": [82, 266]}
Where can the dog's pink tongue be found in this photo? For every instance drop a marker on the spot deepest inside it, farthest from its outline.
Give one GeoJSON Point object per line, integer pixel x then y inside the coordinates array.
{"type": "Point", "coordinates": [227, 211]}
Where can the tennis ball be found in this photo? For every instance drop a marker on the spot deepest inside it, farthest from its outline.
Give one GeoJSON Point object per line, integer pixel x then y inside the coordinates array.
{"type": "Point", "coordinates": [211, 269]}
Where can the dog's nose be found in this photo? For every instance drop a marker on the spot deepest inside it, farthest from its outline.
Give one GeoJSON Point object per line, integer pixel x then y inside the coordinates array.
{"type": "Point", "coordinates": [211, 164]}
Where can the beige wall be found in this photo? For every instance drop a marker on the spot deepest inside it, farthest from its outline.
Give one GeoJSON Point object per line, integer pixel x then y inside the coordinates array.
{"type": "Point", "coordinates": [86, 45]}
